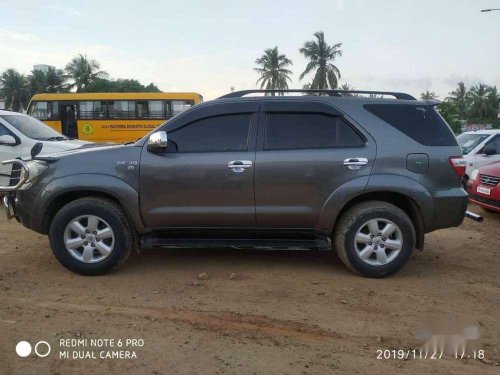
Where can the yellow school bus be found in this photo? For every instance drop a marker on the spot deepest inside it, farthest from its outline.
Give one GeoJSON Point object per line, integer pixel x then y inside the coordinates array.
{"type": "Point", "coordinates": [109, 117]}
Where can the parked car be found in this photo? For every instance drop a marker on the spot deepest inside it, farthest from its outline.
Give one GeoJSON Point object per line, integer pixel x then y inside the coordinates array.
{"type": "Point", "coordinates": [18, 134]}
{"type": "Point", "coordinates": [473, 145]}
{"type": "Point", "coordinates": [365, 176]}
{"type": "Point", "coordinates": [483, 187]}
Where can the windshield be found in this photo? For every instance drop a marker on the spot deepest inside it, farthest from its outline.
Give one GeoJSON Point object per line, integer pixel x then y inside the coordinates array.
{"type": "Point", "coordinates": [31, 127]}
{"type": "Point", "coordinates": [468, 142]}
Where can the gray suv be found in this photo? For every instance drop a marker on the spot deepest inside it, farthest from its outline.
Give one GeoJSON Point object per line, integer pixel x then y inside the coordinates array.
{"type": "Point", "coordinates": [365, 176]}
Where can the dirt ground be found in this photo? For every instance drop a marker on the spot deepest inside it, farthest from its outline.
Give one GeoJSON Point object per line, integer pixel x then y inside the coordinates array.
{"type": "Point", "coordinates": [258, 312]}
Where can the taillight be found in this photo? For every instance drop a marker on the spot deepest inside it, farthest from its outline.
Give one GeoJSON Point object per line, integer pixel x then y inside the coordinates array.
{"type": "Point", "coordinates": [459, 164]}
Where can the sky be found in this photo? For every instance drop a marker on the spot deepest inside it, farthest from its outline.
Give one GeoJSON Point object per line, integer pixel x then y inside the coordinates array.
{"type": "Point", "coordinates": [209, 46]}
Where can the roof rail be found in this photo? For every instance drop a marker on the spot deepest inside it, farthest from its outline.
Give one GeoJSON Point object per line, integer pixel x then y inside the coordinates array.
{"type": "Point", "coordinates": [397, 95]}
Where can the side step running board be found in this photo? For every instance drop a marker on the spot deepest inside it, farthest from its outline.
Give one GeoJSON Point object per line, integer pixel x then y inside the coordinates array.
{"type": "Point", "coordinates": [154, 242]}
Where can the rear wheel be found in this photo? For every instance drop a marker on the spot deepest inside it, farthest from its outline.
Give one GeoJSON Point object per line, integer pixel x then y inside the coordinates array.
{"type": "Point", "coordinates": [91, 236]}
{"type": "Point", "coordinates": [374, 238]}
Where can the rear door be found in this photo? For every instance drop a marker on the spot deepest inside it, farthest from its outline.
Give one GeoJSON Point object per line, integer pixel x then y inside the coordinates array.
{"type": "Point", "coordinates": [205, 179]}
{"type": "Point", "coordinates": [305, 151]}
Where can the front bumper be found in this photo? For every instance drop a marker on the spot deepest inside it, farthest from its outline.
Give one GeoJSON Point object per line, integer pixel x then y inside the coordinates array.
{"type": "Point", "coordinates": [491, 204]}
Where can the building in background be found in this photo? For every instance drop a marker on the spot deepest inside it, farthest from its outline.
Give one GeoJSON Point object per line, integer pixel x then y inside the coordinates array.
{"type": "Point", "coordinates": [43, 67]}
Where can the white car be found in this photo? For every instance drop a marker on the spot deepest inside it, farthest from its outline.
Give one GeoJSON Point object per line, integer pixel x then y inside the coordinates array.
{"type": "Point", "coordinates": [479, 148]}
{"type": "Point", "coordinates": [18, 134]}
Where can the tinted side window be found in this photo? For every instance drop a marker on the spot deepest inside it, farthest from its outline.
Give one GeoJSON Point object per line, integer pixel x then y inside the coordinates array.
{"type": "Point", "coordinates": [219, 133]}
{"type": "Point", "coordinates": [308, 130]}
{"type": "Point", "coordinates": [495, 144]}
{"type": "Point", "coordinates": [420, 122]}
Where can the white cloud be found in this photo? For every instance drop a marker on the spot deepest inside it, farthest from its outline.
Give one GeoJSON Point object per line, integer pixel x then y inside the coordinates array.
{"type": "Point", "coordinates": [14, 36]}
{"type": "Point", "coordinates": [70, 11]}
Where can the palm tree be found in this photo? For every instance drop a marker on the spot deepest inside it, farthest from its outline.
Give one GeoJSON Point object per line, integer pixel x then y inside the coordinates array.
{"type": "Point", "coordinates": [346, 87]}
{"type": "Point", "coordinates": [272, 70]}
{"type": "Point", "coordinates": [460, 99]}
{"type": "Point", "coordinates": [50, 81]}
{"type": "Point", "coordinates": [482, 105]}
{"type": "Point", "coordinates": [83, 72]}
{"type": "Point", "coordinates": [321, 57]}
{"type": "Point", "coordinates": [14, 90]}
{"type": "Point", "coordinates": [495, 102]}
{"type": "Point", "coordinates": [37, 82]}
{"type": "Point", "coordinates": [55, 80]}
{"type": "Point", "coordinates": [428, 95]}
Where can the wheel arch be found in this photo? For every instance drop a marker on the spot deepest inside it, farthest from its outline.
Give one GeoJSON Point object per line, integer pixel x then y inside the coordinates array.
{"type": "Point", "coordinates": [66, 190]}
{"type": "Point", "coordinates": [401, 191]}
{"type": "Point", "coordinates": [402, 201]}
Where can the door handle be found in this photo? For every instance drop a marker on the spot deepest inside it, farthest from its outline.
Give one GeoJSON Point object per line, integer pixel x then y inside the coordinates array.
{"type": "Point", "coordinates": [239, 166]}
{"type": "Point", "coordinates": [355, 163]}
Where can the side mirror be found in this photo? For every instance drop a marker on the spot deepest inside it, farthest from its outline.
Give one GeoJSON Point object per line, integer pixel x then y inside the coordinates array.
{"type": "Point", "coordinates": [158, 142]}
{"type": "Point", "coordinates": [7, 140]}
{"type": "Point", "coordinates": [36, 149]}
{"type": "Point", "coordinates": [489, 150]}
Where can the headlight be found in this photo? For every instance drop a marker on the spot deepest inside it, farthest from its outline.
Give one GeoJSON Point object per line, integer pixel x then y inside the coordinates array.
{"type": "Point", "coordinates": [474, 174]}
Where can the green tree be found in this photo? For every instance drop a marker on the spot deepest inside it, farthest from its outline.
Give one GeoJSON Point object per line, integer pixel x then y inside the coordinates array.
{"type": "Point", "coordinates": [51, 81]}
{"type": "Point", "coordinates": [494, 102]}
{"type": "Point", "coordinates": [461, 100]}
{"type": "Point", "coordinates": [272, 70]}
{"type": "Point", "coordinates": [120, 85]}
{"type": "Point", "coordinates": [83, 72]}
{"type": "Point", "coordinates": [321, 57]}
{"type": "Point", "coordinates": [428, 95]}
{"type": "Point", "coordinates": [55, 81]}
{"type": "Point", "coordinates": [347, 87]}
{"type": "Point", "coordinates": [483, 105]}
{"type": "Point", "coordinates": [451, 113]}
{"type": "Point", "coordinates": [14, 90]}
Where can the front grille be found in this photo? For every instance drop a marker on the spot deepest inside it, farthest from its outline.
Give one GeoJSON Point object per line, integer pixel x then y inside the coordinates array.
{"type": "Point", "coordinates": [491, 202]}
{"type": "Point", "coordinates": [489, 180]}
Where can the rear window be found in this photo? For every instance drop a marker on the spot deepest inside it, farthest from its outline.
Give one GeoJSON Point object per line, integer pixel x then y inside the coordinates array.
{"type": "Point", "coordinates": [419, 122]}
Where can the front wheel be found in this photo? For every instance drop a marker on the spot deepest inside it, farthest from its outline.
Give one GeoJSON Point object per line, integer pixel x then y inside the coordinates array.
{"type": "Point", "coordinates": [91, 236]}
{"type": "Point", "coordinates": [374, 238]}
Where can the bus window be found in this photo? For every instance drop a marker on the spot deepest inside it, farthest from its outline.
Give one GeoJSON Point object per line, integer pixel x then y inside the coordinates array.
{"type": "Point", "coordinates": [91, 110]}
{"type": "Point", "coordinates": [39, 110]}
{"type": "Point", "coordinates": [142, 109]}
{"type": "Point", "coordinates": [179, 106]}
{"type": "Point", "coordinates": [45, 110]}
{"type": "Point", "coordinates": [155, 109]}
{"type": "Point", "coordinates": [121, 109]}
{"type": "Point", "coordinates": [168, 109]}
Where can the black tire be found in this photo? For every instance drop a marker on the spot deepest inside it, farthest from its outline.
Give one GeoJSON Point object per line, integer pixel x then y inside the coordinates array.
{"type": "Point", "coordinates": [354, 219]}
{"type": "Point", "coordinates": [106, 210]}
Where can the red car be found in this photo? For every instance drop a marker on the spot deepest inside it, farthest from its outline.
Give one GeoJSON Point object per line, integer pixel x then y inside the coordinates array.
{"type": "Point", "coordinates": [483, 187]}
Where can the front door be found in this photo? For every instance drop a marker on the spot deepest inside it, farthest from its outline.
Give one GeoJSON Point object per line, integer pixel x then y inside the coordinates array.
{"type": "Point", "coordinates": [483, 159]}
{"type": "Point", "coordinates": [205, 177]}
{"type": "Point", "coordinates": [69, 119]}
{"type": "Point", "coordinates": [302, 152]}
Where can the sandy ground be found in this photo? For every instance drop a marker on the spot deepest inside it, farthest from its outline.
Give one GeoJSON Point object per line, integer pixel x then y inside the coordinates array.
{"type": "Point", "coordinates": [280, 312]}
